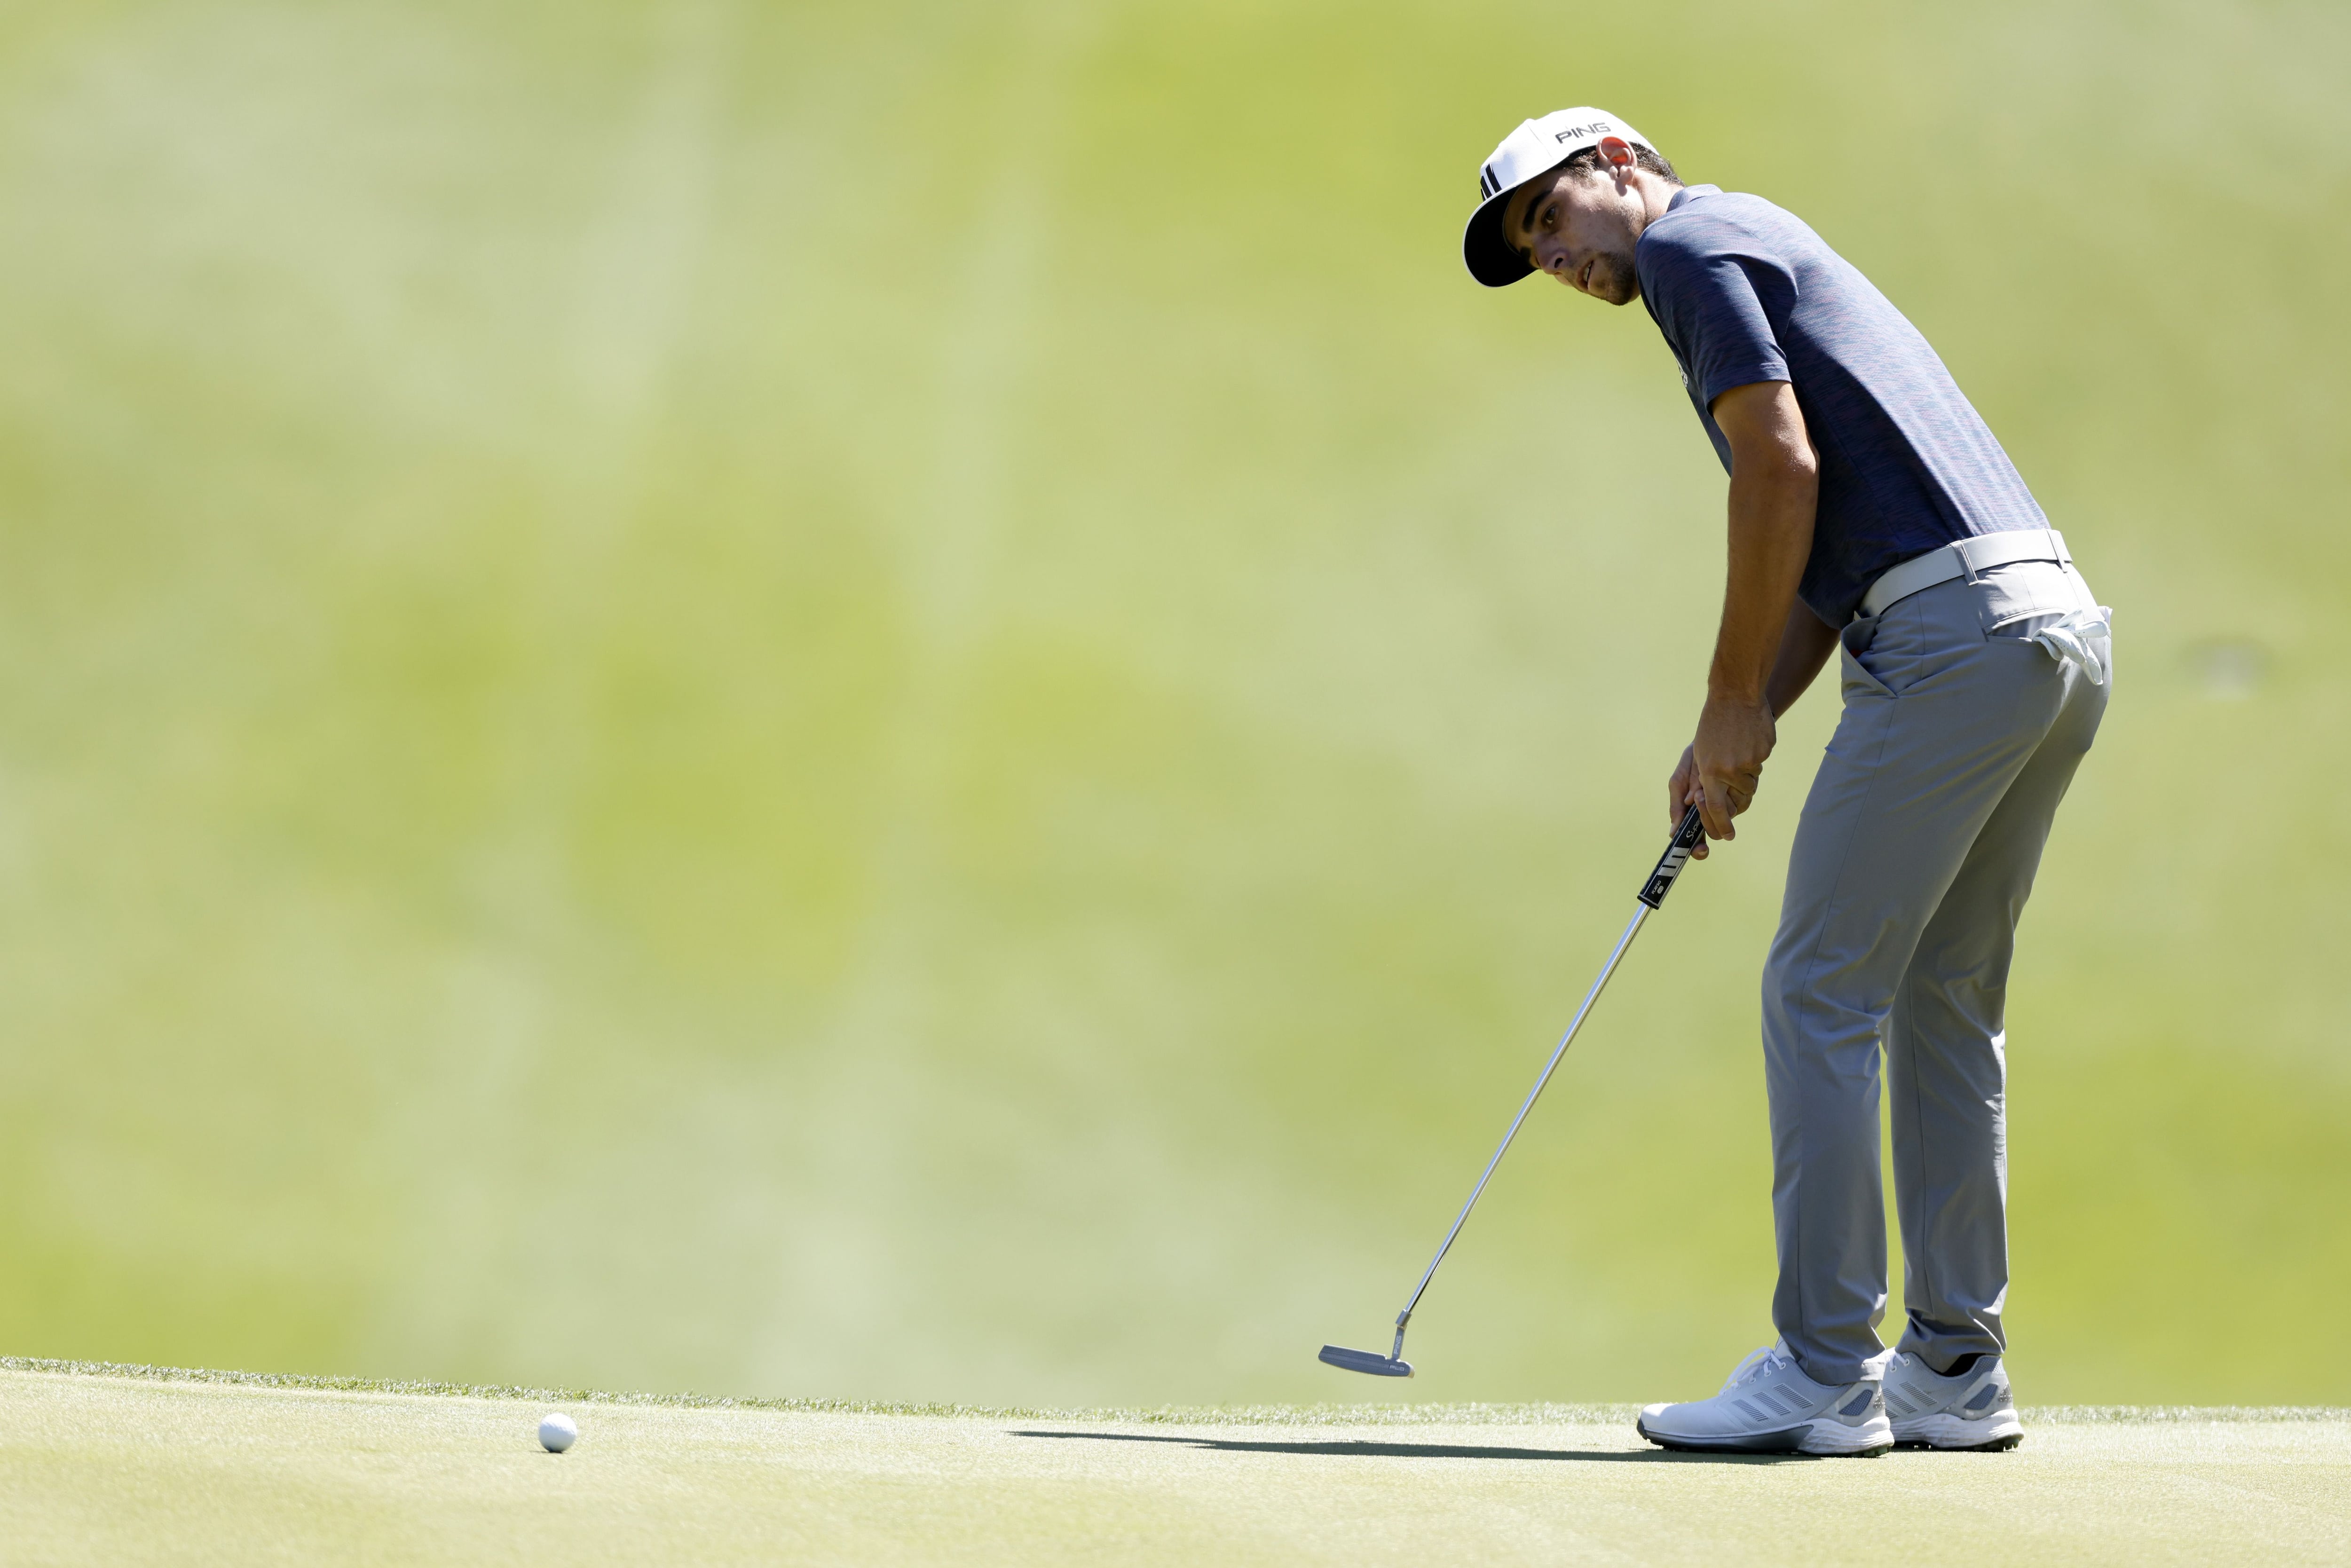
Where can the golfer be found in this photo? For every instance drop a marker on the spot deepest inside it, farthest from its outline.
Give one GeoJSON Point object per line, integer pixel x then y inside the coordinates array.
{"type": "Point", "coordinates": [1871, 515]}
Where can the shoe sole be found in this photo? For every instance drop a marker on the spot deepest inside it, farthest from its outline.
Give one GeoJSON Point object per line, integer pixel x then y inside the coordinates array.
{"type": "Point", "coordinates": [1993, 1434]}
{"type": "Point", "coordinates": [1836, 1441]}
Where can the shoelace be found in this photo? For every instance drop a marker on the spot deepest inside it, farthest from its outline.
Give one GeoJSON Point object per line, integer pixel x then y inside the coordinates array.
{"type": "Point", "coordinates": [1760, 1363]}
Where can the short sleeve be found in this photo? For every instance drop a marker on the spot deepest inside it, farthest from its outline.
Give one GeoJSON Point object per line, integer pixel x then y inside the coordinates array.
{"type": "Point", "coordinates": [1707, 303]}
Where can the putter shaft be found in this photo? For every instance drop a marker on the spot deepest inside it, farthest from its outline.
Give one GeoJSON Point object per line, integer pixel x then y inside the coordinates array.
{"type": "Point", "coordinates": [1651, 897]}
{"type": "Point", "coordinates": [1633, 929]}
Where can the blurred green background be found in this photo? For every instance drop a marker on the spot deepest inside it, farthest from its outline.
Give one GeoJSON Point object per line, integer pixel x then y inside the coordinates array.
{"type": "Point", "coordinates": [843, 699]}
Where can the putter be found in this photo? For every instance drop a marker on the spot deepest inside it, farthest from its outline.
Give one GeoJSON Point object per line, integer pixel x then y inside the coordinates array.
{"type": "Point", "coordinates": [1652, 897]}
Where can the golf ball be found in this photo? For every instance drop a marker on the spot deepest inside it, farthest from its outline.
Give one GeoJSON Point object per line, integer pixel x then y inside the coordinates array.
{"type": "Point", "coordinates": [557, 1431]}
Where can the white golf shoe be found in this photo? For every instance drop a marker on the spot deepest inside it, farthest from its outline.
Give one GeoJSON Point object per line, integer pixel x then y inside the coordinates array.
{"type": "Point", "coordinates": [1768, 1407]}
{"type": "Point", "coordinates": [1972, 1410]}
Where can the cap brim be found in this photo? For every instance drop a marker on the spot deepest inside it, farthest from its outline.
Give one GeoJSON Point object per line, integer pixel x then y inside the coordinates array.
{"type": "Point", "coordinates": [1491, 259]}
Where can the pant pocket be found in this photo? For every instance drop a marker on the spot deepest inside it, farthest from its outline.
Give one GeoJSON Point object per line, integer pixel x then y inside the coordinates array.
{"type": "Point", "coordinates": [1851, 671]}
{"type": "Point", "coordinates": [2043, 602]}
{"type": "Point", "coordinates": [2015, 600]}
{"type": "Point", "coordinates": [1882, 654]}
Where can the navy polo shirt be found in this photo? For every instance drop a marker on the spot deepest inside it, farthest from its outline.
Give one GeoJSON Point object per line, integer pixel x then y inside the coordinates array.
{"type": "Point", "coordinates": [1745, 292]}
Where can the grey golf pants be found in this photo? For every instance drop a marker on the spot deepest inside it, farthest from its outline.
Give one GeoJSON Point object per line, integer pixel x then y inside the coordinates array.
{"type": "Point", "coordinates": [1913, 858]}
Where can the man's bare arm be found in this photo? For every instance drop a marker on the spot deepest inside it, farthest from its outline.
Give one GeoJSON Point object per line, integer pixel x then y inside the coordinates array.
{"type": "Point", "coordinates": [1805, 647]}
{"type": "Point", "coordinates": [1762, 654]}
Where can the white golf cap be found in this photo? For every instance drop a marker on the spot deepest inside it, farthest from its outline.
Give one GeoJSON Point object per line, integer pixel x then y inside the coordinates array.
{"type": "Point", "coordinates": [1536, 145]}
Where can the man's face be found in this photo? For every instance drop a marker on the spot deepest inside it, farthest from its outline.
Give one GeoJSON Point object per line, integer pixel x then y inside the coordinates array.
{"type": "Point", "coordinates": [1580, 227]}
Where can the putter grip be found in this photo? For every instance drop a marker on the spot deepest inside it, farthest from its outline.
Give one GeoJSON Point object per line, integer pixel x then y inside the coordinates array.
{"type": "Point", "coordinates": [1676, 856]}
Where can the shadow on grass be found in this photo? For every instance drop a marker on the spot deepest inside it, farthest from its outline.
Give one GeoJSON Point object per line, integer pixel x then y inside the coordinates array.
{"type": "Point", "coordinates": [1362, 1450]}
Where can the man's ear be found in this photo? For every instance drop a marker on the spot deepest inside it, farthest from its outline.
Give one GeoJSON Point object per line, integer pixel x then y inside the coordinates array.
{"type": "Point", "coordinates": [1619, 154]}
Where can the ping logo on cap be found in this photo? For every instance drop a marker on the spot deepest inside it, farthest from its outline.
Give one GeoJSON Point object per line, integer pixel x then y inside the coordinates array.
{"type": "Point", "coordinates": [1597, 127]}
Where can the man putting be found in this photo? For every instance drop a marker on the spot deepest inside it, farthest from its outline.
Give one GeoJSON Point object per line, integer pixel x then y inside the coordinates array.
{"type": "Point", "coordinates": [1871, 512]}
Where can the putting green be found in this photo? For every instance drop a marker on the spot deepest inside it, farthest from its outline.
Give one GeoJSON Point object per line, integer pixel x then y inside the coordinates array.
{"type": "Point", "coordinates": [107, 1468]}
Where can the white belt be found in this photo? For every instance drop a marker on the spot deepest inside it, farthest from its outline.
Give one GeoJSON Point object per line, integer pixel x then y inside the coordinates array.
{"type": "Point", "coordinates": [1963, 558]}
{"type": "Point", "coordinates": [2077, 639]}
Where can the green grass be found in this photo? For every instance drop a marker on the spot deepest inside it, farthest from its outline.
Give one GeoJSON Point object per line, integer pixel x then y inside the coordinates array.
{"type": "Point", "coordinates": [1384, 1413]}
{"type": "Point", "coordinates": [905, 701]}
{"type": "Point", "coordinates": [105, 1464]}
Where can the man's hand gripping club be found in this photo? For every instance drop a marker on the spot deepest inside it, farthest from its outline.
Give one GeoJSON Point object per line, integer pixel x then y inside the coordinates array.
{"type": "Point", "coordinates": [1769, 646]}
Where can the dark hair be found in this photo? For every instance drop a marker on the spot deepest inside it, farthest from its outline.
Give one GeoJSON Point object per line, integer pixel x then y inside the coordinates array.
{"type": "Point", "coordinates": [1590, 161]}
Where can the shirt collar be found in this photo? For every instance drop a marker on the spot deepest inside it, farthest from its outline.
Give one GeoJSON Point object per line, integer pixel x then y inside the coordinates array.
{"type": "Point", "coordinates": [1691, 193]}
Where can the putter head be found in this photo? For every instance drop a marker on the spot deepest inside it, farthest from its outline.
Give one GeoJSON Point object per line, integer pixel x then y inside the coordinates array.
{"type": "Point", "coordinates": [1370, 1361]}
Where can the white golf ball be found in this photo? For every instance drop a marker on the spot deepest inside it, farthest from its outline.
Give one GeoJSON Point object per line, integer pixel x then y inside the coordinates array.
{"type": "Point", "coordinates": [557, 1431]}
